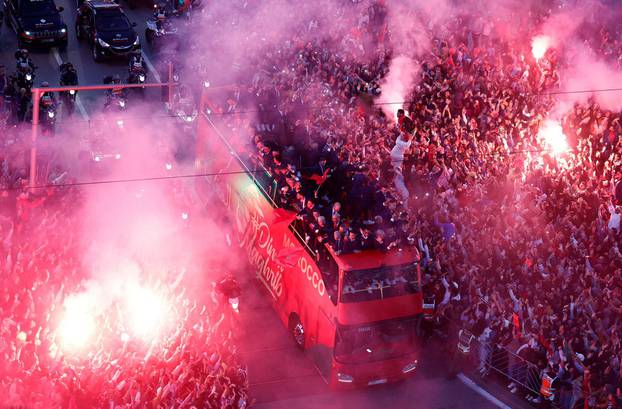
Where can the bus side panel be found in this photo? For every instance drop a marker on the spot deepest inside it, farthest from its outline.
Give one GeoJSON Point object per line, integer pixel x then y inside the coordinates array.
{"type": "Point", "coordinates": [285, 269]}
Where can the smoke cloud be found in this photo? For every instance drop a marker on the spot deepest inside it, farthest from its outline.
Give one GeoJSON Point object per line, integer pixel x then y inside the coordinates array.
{"type": "Point", "coordinates": [397, 84]}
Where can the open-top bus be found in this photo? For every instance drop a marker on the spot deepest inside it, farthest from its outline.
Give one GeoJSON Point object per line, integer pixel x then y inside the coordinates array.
{"type": "Point", "coordinates": [356, 314]}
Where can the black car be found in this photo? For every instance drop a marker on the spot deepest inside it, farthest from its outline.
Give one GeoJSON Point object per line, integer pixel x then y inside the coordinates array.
{"type": "Point", "coordinates": [36, 22]}
{"type": "Point", "coordinates": [106, 27]}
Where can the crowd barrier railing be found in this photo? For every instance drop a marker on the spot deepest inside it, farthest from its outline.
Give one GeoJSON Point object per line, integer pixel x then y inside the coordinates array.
{"type": "Point", "coordinates": [493, 359]}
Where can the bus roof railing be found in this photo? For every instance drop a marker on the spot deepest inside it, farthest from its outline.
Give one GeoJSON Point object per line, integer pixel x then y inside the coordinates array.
{"type": "Point", "coordinates": [252, 175]}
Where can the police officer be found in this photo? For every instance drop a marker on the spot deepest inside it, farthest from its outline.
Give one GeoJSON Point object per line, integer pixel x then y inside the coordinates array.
{"type": "Point", "coordinates": [68, 74]}
{"type": "Point", "coordinates": [47, 98]}
{"type": "Point", "coordinates": [23, 60]}
{"type": "Point", "coordinates": [136, 62]}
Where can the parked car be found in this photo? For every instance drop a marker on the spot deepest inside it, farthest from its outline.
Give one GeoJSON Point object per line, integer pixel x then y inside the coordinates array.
{"type": "Point", "coordinates": [36, 22]}
{"type": "Point", "coordinates": [107, 29]}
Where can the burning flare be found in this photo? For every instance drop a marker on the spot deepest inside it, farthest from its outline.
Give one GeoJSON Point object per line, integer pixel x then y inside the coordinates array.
{"type": "Point", "coordinates": [539, 45]}
{"type": "Point", "coordinates": [77, 325]}
{"type": "Point", "coordinates": [147, 311]}
{"type": "Point", "coordinates": [552, 135]}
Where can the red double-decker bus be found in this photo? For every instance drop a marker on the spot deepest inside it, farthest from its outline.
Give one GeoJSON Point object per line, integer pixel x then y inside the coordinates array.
{"type": "Point", "coordinates": [356, 314]}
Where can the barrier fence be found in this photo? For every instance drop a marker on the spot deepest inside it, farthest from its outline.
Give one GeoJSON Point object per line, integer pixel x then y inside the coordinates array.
{"type": "Point", "coordinates": [496, 361]}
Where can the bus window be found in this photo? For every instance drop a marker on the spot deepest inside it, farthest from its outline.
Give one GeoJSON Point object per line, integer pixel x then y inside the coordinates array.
{"type": "Point", "coordinates": [380, 283]}
{"type": "Point", "coordinates": [367, 343]}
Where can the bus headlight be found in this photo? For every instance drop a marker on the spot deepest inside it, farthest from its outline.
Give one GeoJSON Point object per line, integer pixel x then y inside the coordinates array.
{"type": "Point", "coordinates": [341, 377]}
{"type": "Point", "coordinates": [409, 367]}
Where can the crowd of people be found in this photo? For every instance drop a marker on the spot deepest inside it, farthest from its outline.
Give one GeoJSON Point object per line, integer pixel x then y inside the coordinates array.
{"type": "Point", "coordinates": [520, 245]}
{"type": "Point", "coordinates": [193, 364]}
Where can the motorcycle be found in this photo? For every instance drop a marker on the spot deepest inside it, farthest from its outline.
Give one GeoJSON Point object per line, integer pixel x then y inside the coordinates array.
{"type": "Point", "coordinates": [116, 98]}
{"type": "Point", "coordinates": [186, 113]}
{"type": "Point", "coordinates": [100, 150]}
{"type": "Point", "coordinates": [137, 75]}
{"type": "Point", "coordinates": [68, 77]}
{"type": "Point", "coordinates": [25, 77]}
{"type": "Point", "coordinates": [160, 33]}
{"type": "Point", "coordinates": [226, 294]}
{"type": "Point", "coordinates": [117, 101]}
{"type": "Point", "coordinates": [47, 117]}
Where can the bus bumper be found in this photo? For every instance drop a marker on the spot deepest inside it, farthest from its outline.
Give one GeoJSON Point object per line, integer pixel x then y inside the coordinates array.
{"type": "Point", "coordinates": [373, 373]}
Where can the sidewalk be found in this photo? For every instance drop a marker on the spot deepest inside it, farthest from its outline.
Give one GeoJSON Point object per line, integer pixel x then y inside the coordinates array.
{"type": "Point", "coordinates": [498, 391]}
{"type": "Point", "coordinates": [488, 385]}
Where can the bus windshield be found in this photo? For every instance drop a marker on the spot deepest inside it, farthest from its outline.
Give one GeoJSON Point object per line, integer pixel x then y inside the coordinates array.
{"type": "Point", "coordinates": [380, 283]}
{"type": "Point", "coordinates": [379, 341]}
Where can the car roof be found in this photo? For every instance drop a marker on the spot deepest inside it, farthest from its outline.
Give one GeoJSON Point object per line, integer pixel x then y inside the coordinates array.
{"type": "Point", "coordinates": [103, 5]}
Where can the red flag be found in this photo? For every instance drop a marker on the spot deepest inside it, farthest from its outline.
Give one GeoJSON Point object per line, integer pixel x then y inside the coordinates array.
{"type": "Point", "coordinates": [320, 179]}
{"type": "Point", "coordinates": [288, 256]}
{"type": "Point", "coordinates": [280, 215]}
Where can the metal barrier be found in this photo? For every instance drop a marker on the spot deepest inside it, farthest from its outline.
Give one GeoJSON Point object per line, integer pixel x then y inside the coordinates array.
{"type": "Point", "coordinates": [495, 359]}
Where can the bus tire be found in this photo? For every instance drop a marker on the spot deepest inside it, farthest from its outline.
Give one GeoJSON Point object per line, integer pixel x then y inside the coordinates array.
{"type": "Point", "coordinates": [297, 330]}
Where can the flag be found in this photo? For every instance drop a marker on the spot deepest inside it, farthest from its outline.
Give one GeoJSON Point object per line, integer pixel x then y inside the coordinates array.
{"type": "Point", "coordinates": [280, 215]}
{"type": "Point", "coordinates": [320, 179]}
{"type": "Point", "coordinates": [288, 256]}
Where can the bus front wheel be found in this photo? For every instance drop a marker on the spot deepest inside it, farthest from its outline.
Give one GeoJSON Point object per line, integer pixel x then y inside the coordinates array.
{"type": "Point", "coordinates": [298, 331]}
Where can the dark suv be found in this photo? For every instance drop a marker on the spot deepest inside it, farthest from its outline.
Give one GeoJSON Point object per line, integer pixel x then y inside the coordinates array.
{"type": "Point", "coordinates": [106, 27]}
{"type": "Point", "coordinates": [36, 22]}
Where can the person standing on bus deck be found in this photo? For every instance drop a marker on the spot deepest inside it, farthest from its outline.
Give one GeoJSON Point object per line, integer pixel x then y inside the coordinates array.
{"type": "Point", "coordinates": [367, 242]}
{"type": "Point", "coordinates": [351, 243]}
{"type": "Point", "coordinates": [337, 242]}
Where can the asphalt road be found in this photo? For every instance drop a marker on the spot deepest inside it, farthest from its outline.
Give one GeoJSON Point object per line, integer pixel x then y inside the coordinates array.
{"type": "Point", "coordinates": [79, 54]}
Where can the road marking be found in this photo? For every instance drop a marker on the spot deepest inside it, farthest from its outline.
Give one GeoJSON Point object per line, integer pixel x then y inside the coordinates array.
{"type": "Point", "coordinates": [469, 382]}
{"type": "Point", "coordinates": [151, 68]}
{"type": "Point", "coordinates": [79, 104]}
